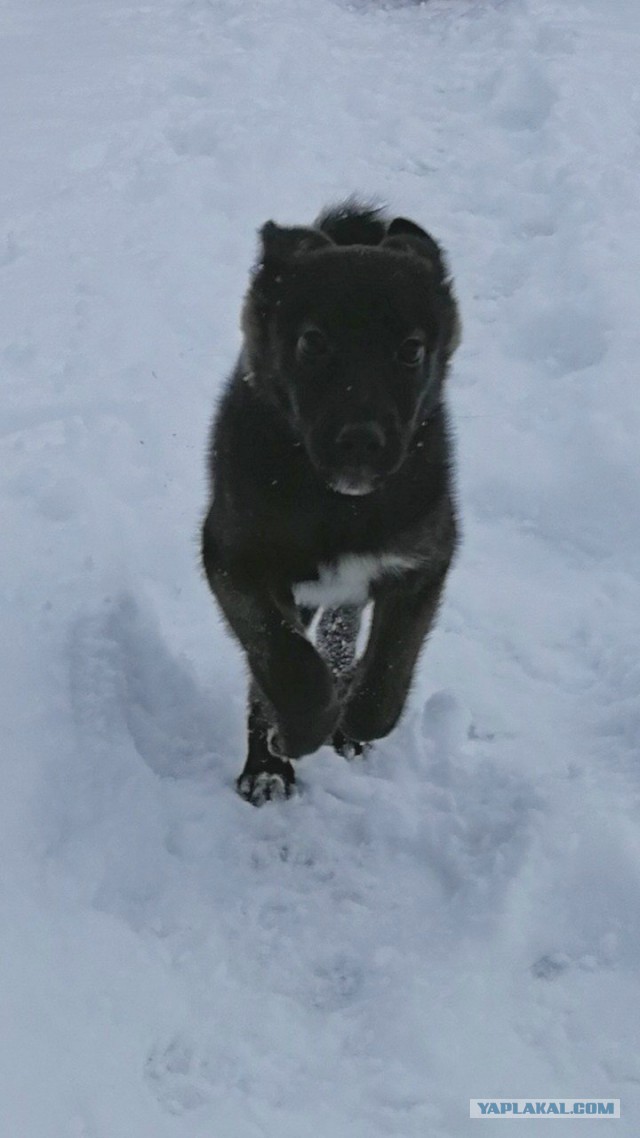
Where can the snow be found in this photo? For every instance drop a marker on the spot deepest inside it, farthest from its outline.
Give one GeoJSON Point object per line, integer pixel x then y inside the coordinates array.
{"type": "Point", "coordinates": [459, 914]}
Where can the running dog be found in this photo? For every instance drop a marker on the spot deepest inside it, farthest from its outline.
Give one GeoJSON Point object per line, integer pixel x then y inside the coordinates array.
{"type": "Point", "coordinates": [331, 482]}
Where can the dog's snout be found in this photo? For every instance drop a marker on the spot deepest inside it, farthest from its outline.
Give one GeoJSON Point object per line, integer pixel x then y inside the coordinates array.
{"type": "Point", "coordinates": [361, 441]}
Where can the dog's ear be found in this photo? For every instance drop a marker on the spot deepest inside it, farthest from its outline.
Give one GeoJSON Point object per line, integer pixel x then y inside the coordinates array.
{"type": "Point", "coordinates": [406, 235]}
{"type": "Point", "coordinates": [281, 245]}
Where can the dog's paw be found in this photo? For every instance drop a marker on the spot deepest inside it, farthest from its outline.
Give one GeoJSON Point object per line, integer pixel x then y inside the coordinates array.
{"type": "Point", "coordinates": [349, 748]}
{"type": "Point", "coordinates": [267, 785]}
{"type": "Point", "coordinates": [367, 719]}
{"type": "Point", "coordinates": [294, 738]}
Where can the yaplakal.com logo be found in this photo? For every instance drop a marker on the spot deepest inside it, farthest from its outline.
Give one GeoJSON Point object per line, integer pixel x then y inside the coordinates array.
{"type": "Point", "coordinates": [544, 1108]}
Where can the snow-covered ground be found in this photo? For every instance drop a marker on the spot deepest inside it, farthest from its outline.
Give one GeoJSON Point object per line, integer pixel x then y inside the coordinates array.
{"type": "Point", "coordinates": [460, 915]}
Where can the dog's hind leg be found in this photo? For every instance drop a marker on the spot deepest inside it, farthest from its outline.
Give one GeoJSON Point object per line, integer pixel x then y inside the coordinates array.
{"type": "Point", "coordinates": [336, 640]}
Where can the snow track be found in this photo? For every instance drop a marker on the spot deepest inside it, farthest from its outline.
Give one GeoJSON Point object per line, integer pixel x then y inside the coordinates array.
{"type": "Point", "coordinates": [460, 913]}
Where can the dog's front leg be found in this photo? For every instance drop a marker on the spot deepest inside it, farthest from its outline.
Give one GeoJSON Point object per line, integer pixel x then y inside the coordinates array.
{"type": "Point", "coordinates": [297, 691]}
{"type": "Point", "coordinates": [401, 621]}
{"type": "Point", "coordinates": [264, 775]}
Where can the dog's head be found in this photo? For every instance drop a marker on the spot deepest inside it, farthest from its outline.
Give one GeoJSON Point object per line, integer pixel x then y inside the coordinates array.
{"type": "Point", "coordinates": [352, 343]}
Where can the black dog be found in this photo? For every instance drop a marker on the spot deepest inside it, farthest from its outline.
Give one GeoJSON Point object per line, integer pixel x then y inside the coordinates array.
{"type": "Point", "coordinates": [330, 461]}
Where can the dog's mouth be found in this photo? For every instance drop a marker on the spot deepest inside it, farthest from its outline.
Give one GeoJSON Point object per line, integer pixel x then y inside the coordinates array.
{"type": "Point", "coordinates": [351, 480]}
{"type": "Point", "coordinates": [353, 487]}
{"type": "Point", "coordinates": [358, 467]}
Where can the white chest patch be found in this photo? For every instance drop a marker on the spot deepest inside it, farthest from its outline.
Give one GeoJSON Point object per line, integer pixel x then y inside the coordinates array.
{"type": "Point", "coordinates": [348, 580]}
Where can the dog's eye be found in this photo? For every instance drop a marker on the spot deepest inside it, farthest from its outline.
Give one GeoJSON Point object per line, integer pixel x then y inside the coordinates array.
{"type": "Point", "coordinates": [411, 352]}
{"type": "Point", "coordinates": [312, 343]}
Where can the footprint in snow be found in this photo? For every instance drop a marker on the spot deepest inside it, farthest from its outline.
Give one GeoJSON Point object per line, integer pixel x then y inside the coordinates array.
{"type": "Point", "coordinates": [445, 722]}
{"type": "Point", "coordinates": [175, 1075]}
{"type": "Point", "coordinates": [10, 250]}
{"type": "Point", "coordinates": [199, 138]}
{"type": "Point", "coordinates": [338, 982]}
{"type": "Point", "coordinates": [524, 98]}
{"type": "Point", "coordinates": [124, 679]}
{"type": "Point", "coordinates": [550, 966]}
{"type": "Point", "coordinates": [564, 338]}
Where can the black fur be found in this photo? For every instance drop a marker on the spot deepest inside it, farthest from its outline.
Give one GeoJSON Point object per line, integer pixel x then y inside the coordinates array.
{"type": "Point", "coordinates": [331, 440]}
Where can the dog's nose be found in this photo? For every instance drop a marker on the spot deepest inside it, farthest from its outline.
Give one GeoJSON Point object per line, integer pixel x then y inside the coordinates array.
{"type": "Point", "coordinates": [361, 441]}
